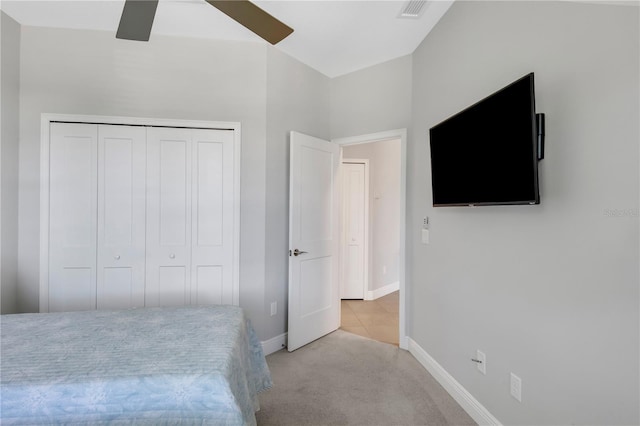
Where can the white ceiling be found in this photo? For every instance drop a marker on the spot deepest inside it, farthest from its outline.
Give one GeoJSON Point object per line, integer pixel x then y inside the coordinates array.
{"type": "Point", "coordinates": [334, 37]}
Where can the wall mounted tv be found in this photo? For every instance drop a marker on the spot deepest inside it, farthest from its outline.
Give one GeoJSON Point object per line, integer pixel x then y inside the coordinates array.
{"type": "Point", "coordinates": [488, 153]}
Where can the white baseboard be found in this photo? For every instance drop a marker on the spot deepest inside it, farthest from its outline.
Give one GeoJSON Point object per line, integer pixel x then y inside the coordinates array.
{"type": "Point", "coordinates": [274, 344]}
{"type": "Point", "coordinates": [477, 411]}
{"type": "Point", "coordinates": [383, 291]}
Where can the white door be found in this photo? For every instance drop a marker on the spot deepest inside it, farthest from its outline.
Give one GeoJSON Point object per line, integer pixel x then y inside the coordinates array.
{"type": "Point", "coordinates": [72, 216]}
{"type": "Point", "coordinates": [314, 289]}
{"type": "Point", "coordinates": [354, 230]}
{"type": "Point", "coordinates": [190, 217]}
{"type": "Point", "coordinates": [212, 217]}
{"type": "Point", "coordinates": [121, 216]}
{"type": "Point", "coordinates": [137, 215]}
{"type": "Point", "coordinates": [168, 216]}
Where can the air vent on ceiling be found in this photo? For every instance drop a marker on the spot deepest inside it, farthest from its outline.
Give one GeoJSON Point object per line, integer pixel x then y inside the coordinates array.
{"type": "Point", "coordinates": [412, 9]}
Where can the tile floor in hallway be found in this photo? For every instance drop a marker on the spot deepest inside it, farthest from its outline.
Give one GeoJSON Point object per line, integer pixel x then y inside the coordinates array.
{"type": "Point", "coordinates": [376, 319]}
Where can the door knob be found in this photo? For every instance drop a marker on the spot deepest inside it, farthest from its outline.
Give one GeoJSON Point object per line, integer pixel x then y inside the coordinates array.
{"type": "Point", "coordinates": [172, 256]}
{"type": "Point", "coordinates": [116, 257]}
{"type": "Point", "coordinates": [297, 252]}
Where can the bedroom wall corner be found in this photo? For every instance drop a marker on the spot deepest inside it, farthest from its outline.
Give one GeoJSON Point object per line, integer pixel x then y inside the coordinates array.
{"type": "Point", "coordinates": [374, 99]}
{"type": "Point", "coordinates": [9, 148]}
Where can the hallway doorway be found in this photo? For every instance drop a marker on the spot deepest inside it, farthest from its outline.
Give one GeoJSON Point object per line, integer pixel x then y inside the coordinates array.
{"type": "Point", "coordinates": [375, 319]}
{"type": "Point", "coordinates": [380, 314]}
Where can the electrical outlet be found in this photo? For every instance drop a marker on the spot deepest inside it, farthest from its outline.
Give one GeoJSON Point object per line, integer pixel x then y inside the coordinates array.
{"type": "Point", "coordinates": [516, 387]}
{"type": "Point", "coordinates": [274, 308]}
{"type": "Point", "coordinates": [482, 365]}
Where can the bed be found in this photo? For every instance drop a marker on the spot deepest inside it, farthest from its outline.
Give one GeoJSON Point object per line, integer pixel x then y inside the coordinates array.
{"type": "Point", "coordinates": [186, 365]}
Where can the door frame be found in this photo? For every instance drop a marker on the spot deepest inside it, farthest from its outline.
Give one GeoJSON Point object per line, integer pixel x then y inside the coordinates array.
{"type": "Point", "coordinates": [365, 279]}
{"type": "Point", "coordinates": [45, 121]}
{"type": "Point", "coordinates": [400, 134]}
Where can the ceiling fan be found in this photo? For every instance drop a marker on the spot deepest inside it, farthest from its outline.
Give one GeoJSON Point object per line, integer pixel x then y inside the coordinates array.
{"type": "Point", "coordinates": [137, 19]}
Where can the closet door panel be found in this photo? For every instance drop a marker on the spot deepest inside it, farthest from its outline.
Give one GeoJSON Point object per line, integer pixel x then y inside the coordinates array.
{"type": "Point", "coordinates": [121, 216]}
{"type": "Point", "coordinates": [72, 216]}
{"type": "Point", "coordinates": [208, 287]}
{"type": "Point", "coordinates": [212, 208]}
{"type": "Point", "coordinates": [169, 182]}
{"type": "Point", "coordinates": [172, 286]}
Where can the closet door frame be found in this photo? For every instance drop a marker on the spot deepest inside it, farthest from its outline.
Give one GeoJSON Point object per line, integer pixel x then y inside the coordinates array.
{"type": "Point", "coordinates": [45, 124]}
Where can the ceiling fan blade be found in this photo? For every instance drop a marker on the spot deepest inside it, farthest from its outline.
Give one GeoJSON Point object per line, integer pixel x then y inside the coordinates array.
{"type": "Point", "coordinates": [137, 19]}
{"type": "Point", "coordinates": [254, 18]}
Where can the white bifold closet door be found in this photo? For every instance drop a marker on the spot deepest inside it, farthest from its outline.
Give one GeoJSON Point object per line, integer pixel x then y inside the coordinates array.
{"type": "Point", "coordinates": [139, 216]}
{"type": "Point", "coordinates": [121, 216]}
{"type": "Point", "coordinates": [73, 177]}
{"type": "Point", "coordinates": [189, 216]}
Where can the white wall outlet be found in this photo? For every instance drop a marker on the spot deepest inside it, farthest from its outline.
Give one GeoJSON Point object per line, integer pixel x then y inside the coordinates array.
{"type": "Point", "coordinates": [482, 361]}
{"type": "Point", "coordinates": [425, 236]}
{"type": "Point", "coordinates": [274, 308]}
{"type": "Point", "coordinates": [516, 387]}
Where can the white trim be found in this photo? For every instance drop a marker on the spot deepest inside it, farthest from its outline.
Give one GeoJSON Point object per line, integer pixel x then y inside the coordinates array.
{"type": "Point", "coordinates": [274, 344]}
{"type": "Point", "coordinates": [141, 121]}
{"type": "Point", "coordinates": [343, 242]}
{"type": "Point", "coordinates": [477, 411]}
{"type": "Point", "coordinates": [379, 137]}
{"type": "Point", "coordinates": [383, 291]}
{"type": "Point", "coordinates": [45, 122]}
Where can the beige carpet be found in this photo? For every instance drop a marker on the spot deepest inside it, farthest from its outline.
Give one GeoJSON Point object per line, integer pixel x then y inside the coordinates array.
{"type": "Point", "coordinates": [344, 379]}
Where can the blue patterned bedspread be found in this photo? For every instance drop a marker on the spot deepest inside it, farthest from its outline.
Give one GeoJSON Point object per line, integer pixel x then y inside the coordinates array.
{"type": "Point", "coordinates": [187, 365]}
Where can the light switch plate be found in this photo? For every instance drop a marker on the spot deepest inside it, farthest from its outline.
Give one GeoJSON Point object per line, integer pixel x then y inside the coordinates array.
{"type": "Point", "coordinates": [425, 236]}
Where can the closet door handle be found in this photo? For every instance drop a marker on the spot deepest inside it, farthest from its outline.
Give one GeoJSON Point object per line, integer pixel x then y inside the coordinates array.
{"type": "Point", "coordinates": [116, 257]}
{"type": "Point", "coordinates": [172, 256]}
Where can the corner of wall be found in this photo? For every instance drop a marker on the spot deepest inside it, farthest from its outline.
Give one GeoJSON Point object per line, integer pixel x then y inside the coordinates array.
{"type": "Point", "coordinates": [10, 125]}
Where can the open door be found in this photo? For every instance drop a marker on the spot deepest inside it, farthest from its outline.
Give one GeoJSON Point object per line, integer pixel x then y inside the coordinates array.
{"type": "Point", "coordinates": [314, 238]}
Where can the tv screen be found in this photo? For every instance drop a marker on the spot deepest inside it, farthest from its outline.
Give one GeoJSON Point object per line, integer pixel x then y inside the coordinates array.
{"type": "Point", "coordinates": [487, 154]}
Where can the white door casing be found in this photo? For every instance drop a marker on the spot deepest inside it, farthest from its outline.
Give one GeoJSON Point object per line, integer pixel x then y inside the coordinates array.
{"type": "Point", "coordinates": [355, 229]}
{"type": "Point", "coordinates": [400, 134]}
{"type": "Point", "coordinates": [314, 288]}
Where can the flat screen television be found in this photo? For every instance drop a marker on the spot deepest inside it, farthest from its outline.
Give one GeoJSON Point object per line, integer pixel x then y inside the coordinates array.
{"type": "Point", "coordinates": [488, 153]}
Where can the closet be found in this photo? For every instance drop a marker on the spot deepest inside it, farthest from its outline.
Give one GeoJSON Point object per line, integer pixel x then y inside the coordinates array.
{"type": "Point", "coordinates": [138, 216]}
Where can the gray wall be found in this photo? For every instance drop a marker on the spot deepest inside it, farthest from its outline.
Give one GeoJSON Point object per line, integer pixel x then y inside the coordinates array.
{"type": "Point", "coordinates": [92, 72]}
{"type": "Point", "coordinates": [548, 292]}
{"type": "Point", "coordinates": [297, 99]}
{"type": "Point", "coordinates": [10, 124]}
{"type": "Point", "coordinates": [372, 100]}
{"type": "Point", "coordinates": [266, 90]}
{"type": "Point", "coordinates": [384, 208]}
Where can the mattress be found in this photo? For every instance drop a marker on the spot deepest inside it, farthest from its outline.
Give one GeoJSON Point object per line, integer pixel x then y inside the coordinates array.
{"type": "Point", "coordinates": [186, 365]}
